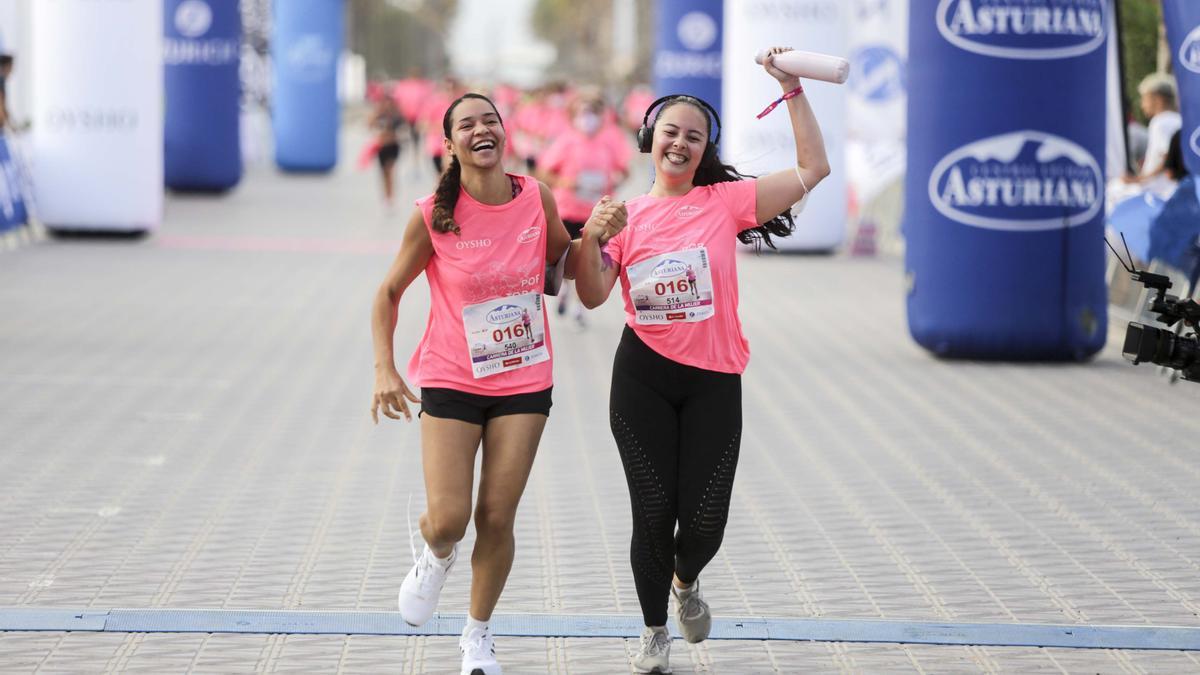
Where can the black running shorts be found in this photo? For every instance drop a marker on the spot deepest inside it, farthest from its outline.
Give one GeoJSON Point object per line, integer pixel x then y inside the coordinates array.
{"type": "Point", "coordinates": [478, 409]}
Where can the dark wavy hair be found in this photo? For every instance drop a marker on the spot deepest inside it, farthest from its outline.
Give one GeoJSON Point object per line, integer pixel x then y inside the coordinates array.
{"type": "Point", "coordinates": [445, 197]}
{"type": "Point", "coordinates": [714, 171]}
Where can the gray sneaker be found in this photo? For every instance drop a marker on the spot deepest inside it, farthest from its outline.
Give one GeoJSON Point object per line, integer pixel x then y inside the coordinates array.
{"type": "Point", "coordinates": [691, 611]}
{"type": "Point", "coordinates": [654, 656]}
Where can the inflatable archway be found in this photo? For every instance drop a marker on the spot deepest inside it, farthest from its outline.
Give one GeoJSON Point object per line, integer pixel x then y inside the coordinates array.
{"type": "Point", "coordinates": [98, 114]}
{"type": "Point", "coordinates": [202, 42]}
{"type": "Point", "coordinates": [1005, 185]}
{"type": "Point", "coordinates": [306, 42]}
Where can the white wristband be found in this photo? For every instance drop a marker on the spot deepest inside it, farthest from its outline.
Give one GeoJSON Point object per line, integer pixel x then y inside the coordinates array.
{"type": "Point", "coordinates": [797, 168]}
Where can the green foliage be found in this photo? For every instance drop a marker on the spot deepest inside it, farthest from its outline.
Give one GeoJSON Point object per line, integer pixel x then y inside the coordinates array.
{"type": "Point", "coordinates": [395, 41]}
{"type": "Point", "coordinates": [1140, 21]}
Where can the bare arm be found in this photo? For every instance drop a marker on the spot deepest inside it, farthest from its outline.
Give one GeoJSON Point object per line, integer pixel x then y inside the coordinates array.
{"type": "Point", "coordinates": [778, 191]}
{"type": "Point", "coordinates": [390, 390]}
{"type": "Point", "coordinates": [594, 277]}
{"type": "Point", "coordinates": [558, 239]}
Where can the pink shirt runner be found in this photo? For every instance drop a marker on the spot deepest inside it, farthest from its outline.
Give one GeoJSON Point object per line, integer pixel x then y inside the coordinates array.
{"type": "Point", "coordinates": [433, 108]}
{"type": "Point", "coordinates": [679, 273]}
{"type": "Point", "coordinates": [591, 163]}
{"type": "Point", "coordinates": [487, 278]}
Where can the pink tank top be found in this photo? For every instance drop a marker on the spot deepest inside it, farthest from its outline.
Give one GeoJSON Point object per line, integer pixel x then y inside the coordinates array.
{"type": "Point", "coordinates": [487, 331]}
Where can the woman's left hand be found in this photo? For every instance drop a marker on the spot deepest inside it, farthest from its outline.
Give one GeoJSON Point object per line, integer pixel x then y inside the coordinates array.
{"type": "Point", "coordinates": [769, 66]}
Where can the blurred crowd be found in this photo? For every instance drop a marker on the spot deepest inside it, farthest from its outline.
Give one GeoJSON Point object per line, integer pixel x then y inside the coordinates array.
{"type": "Point", "coordinates": [546, 126]}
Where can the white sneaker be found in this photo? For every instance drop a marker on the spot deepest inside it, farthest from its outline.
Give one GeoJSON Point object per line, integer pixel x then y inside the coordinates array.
{"type": "Point", "coordinates": [692, 613]}
{"type": "Point", "coordinates": [478, 653]}
{"type": "Point", "coordinates": [655, 653]}
{"type": "Point", "coordinates": [420, 590]}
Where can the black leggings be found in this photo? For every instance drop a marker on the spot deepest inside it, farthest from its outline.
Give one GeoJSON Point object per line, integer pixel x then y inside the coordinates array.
{"type": "Point", "coordinates": [678, 429]}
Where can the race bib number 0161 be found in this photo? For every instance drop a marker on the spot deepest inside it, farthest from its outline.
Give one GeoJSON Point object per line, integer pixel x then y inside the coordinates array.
{"type": "Point", "coordinates": [672, 288]}
{"type": "Point", "coordinates": [505, 334]}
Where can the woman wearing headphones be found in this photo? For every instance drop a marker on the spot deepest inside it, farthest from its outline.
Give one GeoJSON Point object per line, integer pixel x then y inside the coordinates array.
{"type": "Point", "coordinates": [675, 403]}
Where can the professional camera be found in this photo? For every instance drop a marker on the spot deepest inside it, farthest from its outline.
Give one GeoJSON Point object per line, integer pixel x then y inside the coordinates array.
{"type": "Point", "coordinates": [1168, 348]}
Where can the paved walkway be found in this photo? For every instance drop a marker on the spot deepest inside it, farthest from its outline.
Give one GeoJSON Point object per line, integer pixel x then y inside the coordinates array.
{"type": "Point", "coordinates": [185, 426]}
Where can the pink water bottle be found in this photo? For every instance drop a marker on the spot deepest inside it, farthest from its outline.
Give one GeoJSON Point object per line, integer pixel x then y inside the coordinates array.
{"type": "Point", "coordinates": [810, 65]}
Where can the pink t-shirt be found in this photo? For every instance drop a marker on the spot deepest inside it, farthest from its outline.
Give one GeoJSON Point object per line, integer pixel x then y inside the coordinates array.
{"type": "Point", "coordinates": [590, 162]}
{"type": "Point", "coordinates": [620, 142]}
{"type": "Point", "coordinates": [487, 331]}
{"type": "Point", "coordinates": [432, 111]}
{"type": "Point", "coordinates": [679, 273]}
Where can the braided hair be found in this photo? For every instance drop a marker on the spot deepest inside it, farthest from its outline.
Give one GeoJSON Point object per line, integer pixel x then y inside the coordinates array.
{"type": "Point", "coordinates": [445, 197]}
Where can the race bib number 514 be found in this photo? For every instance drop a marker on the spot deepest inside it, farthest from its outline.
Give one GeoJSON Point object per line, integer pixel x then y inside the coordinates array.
{"type": "Point", "coordinates": [673, 287]}
{"type": "Point", "coordinates": [505, 334]}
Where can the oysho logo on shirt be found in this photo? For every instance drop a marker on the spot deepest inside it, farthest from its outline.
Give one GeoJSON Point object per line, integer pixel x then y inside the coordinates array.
{"type": "Point", "coordinates": [530, 235]}
{"type": "Point", "coordinates": [473, 243]}
{"type": "Point", "coordinates": [668, 268]}
{"type": "Point", "coordinates": [504, 315]}
{"type": "Point", "coordinates": [1189, 51]}
{"type": "Point", "coordinates": [1019, 181]}
{"type": "Point", "coordinates": [1023, 29]}
{"type": "Point", "coordinates": [688, 211]}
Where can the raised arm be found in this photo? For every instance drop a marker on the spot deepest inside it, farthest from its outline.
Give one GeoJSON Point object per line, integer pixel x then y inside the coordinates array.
{"type": "Point", "coordinates": [415, 251]}
{"type": "Point", "coordinates": [778, 191]}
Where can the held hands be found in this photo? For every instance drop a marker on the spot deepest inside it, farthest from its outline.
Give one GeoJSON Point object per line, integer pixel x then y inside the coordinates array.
{"type": "Point", "coordinates": [607, 219]}
{"type": "Point", "coordinates": [390, 395]}
{"type": "Point", "coordinates": [768, 64]}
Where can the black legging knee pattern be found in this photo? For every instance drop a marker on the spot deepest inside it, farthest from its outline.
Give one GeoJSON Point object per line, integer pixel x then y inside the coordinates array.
{"type": "Point", "coordinates": [678, 429]}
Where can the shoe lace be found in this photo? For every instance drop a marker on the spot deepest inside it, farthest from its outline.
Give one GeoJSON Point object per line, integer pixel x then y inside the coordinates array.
{"type": "Point", "coordinates": [692, 605]}
{"type": "Point", "coordinates": [422, 561]}
{"type": "Point", "coordinates": [477, 644]}
{"type": "Point", "coordinates": [655, 643]}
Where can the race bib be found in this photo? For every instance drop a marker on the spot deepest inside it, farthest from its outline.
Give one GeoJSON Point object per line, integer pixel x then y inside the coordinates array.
{"type": "Point", "coordinates": [505, 334]}
{"type": "Point", "coordinates": [589, 185]}
{"type": "Point", "coordinates": [672, 288]}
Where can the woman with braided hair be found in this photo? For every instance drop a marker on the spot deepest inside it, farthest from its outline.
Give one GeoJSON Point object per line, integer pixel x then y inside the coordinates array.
{"type": "Point", "coordinates": [675, 403]}
{"type": "Point", "coordinates": [484, 240]}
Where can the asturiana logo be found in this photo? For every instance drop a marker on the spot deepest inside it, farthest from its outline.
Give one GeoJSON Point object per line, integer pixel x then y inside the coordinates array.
{"type": "Point", "coordinates": [1023, 29]}
{"type": "Point", "coordinates": [697, 31]}
{"type": "Point", "coordinates": [1189, 51]}
{"type": "Point", "coordinates": [1020, 181]}
{"type": "Point", "coordinates": [504, 315]}
{"type": "Point", "coordinates": [688, 211]}
{"type": "Point", "coordinates": [193, 18]}
{"type": "Point", "coordinates": [310, 58]}
{"type": "Point", "coordinates": [668, 268]}
{"type": "Point", "coordinates": [529, 235]}
{"type": "Point", "coordinates": [877, 74]}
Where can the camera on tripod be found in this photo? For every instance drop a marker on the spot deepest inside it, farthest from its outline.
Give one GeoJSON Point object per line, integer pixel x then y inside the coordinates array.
{"type": "Point", "coordinates": [1169, 348]}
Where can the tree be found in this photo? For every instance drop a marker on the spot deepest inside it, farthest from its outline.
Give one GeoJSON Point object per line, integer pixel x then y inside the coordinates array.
{"type": "Point", "coordinates": [396, 37]}
{"type": "Point", "coordinates": [582, 33]}
{"type": "Point", "coordinates": [1141, 22]}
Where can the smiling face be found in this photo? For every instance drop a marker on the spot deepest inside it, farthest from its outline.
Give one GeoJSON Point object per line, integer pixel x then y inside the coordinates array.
{"type": "Point", "coordinates": [476, 135]}
{"type": "Point", "coordinates": [680, 136]}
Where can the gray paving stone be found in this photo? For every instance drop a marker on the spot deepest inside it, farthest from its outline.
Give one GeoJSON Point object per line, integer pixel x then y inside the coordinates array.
{"type": "Point", "coordinates": [185, 425]}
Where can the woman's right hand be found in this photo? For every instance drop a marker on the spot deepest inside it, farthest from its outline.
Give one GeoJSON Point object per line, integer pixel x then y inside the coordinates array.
{"type": "Point", "coordinates": [391, 396]}
{"type": "Point", "coordinates": [607, 219]}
